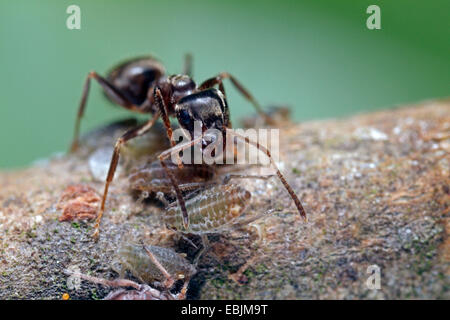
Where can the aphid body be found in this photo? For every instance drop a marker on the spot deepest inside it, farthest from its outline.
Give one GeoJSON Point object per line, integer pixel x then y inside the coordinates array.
{"type": "Point", "coordinates": [213, 210]}
{"type": "Point", "coordinates": [136, 259]}
{"type": "Point", "coordinates": [151, 264]}
{"type": "Point", "coordinates": [153, 178]}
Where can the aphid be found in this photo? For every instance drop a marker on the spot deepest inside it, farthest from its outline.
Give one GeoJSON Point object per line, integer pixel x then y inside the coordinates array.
{"type": "Point", "coordinates": [212, 210]}
{"type": "Point", "coordinates": [217, 209]}
{"type": "Point", "coordinates": [151, 265]}
{"type": "Point", "coordinates": [152, 178]}
{"type": "Point", "coordinates": [137, 259]}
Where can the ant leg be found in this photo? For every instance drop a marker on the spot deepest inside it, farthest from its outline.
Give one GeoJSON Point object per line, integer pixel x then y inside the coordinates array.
{"type": "Point", "coordinates": [133, 133]}
{"type": "Point", "coordinates": [279, 174]}
{"type": "Point", "coordinates": [115, 93]}
{"type": "Point", "coordinates": [165, 116]}
{"type": "Point", "coordinates": [164, 113]}
{"type": "Point", "coordinates": [226, 112]}
{"type": "Point", "coordinates": [209, 83]}
{"type": "Point", "coordinates": [168, 153]}
{"type": "Point", "coordinates": [183, 187]}
{"type": "Point", "coordinates": [169, 280]}
{"type": "Point", "coordinates": [187, 69]}
{"type": "Point", "coordinates": [192, 188]}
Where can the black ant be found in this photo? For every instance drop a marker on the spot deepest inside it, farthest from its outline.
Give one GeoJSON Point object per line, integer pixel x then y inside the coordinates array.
{"type": "Point", "coordinates": [140, 85]}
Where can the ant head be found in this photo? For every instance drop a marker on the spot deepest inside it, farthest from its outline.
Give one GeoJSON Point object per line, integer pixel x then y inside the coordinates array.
{"type": "Point", "coordinates": [207, 106]}
{"type": "Point", "coordinates": [181, 86]}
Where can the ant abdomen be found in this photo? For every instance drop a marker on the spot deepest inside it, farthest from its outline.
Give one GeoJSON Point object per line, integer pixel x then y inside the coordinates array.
{"type": "Point", "coordinates": [213, 210]}
{"type": "Point", "coordinates": [134, 78]}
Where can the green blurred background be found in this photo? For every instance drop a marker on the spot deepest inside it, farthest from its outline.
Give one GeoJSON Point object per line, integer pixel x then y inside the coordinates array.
{"type": "Point", "coordinates": [316, 56]}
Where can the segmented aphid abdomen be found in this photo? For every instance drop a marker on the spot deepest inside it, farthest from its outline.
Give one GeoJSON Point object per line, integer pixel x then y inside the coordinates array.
{"type": "Point", "coordinates": [153, 178]}
{"type": "Point", "coordinates": [210, 211]}
{"type": "Point", "coordinates": [137, 261]}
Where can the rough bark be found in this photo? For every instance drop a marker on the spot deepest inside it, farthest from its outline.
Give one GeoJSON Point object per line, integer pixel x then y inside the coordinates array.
{"type": "Point", "coordinates": [375, 187]}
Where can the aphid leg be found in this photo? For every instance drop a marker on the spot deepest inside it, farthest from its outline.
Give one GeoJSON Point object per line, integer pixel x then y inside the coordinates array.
{"type": "Point", "coordinates": [182, 294]}
{"type": "Point", "coordinates": [289, 189]}
{"type": "Point", "coordinates": [144, 195]}
{"type": "Point", "coordinates": [230, 176]}
{"type": "Point", "coordinates": [168, 153]}
{"type": "Point", "coordinates": [253, 219]}
{"type": "Point", "coordinates": [249, 223]}
{"type": "Point", "coordinates": [185, 239]}
{"type": "Point", "coordinates": [114, 161]}
{"type": "Point", "coordinates": [187, 69]}
{"type": "Point", "coordinates": [169, 280]}
{"type": "Point", "coordinates": [259, 231]}
{"type": "Point", "coordinates": [225, 75]}
{"type": "Point", "coordinates": [118, 97]}
{"type": "Point", "coordinates": [162, 107]}
{"type": "Point", "coordinates": [160, 197]}
{"type": "Point", "coordinates": [236, 277]}
{"type": "Point", "coordinates": [205, 246]}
